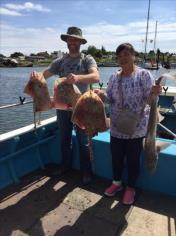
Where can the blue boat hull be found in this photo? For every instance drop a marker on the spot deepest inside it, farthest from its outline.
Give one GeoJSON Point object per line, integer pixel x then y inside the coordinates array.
{"type": "Point", "coordinates": [23, 153]}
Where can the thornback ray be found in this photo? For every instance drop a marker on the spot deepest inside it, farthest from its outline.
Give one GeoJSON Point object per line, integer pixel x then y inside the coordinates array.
{"type": "Point", "coordinates": [65, 95]}
{"type": "Point", "coordinates": [37, 88]}
{"type": "Point", "coordinates": [89, 115]}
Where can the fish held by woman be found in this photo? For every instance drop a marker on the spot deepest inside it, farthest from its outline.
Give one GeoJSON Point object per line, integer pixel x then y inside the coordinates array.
{"type": "Point", "coordinates": [89, 114]}
{"type": "Point", "coordinates": [151, 150]}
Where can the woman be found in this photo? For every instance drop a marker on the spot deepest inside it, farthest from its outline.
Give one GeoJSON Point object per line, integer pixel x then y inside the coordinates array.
{"type": "Point", "coordinates": [129, 92]}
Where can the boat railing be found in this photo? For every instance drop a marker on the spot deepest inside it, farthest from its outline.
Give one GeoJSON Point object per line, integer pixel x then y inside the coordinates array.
{"type": "Point", "coordinates": [21, 103]}
{"type": "Point", "coordinates": [167, 91]}
{"type": "Point", "coordinates": [37, 121]}
{"type": "Point", "coordinates": [170, 93]}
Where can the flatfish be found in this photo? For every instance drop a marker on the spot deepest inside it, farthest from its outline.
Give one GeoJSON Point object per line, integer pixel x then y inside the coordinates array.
{"type": "Point", "coordinates": [65, 95]}
{"type": "Point", "coordinates": [89, 114]}
{"type": "Point", "coordinates": [37, 88]}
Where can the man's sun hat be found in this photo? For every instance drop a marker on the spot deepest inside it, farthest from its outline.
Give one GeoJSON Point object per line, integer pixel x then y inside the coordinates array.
{"type": "Point", "coordinates": [74, 32]}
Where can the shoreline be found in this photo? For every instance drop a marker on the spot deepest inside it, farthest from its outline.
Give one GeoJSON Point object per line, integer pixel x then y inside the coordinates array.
{"type": "Point", "coordinates": [42, 65]}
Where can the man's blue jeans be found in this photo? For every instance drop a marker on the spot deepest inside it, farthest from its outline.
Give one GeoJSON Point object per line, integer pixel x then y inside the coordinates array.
{"type": "Point", "coordinates": [66, 127]}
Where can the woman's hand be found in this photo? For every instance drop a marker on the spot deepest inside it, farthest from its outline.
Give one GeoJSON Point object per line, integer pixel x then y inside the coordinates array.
{"type": "Point", "coordinates": [156, 90]}
{"type": "Point", "coordinates": [101, 94]}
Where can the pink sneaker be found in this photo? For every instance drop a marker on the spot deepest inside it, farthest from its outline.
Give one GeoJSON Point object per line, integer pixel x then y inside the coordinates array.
{"type": "Point", "coordinates": [112, 190]}
{"type": "Point", "coordinates": [128, 197]}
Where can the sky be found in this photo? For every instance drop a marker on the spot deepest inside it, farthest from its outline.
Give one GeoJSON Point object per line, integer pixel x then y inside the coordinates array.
{"type": "Point", "coordinates": [35, 26]}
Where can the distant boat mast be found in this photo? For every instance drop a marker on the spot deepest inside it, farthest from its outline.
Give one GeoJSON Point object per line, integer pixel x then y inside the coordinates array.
{"type": "Point", "coordinates": [154, 46]}
{"type": "Point", "coordinates": [146, 35]}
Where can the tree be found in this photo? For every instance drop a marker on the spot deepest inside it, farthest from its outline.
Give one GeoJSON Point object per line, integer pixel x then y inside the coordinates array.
{"type": "Point", "coordinates": [16, 54]}
{"type": "Point", "coordinates": [103, 50]}
{"type": "Point", "coordinates": [32, 54]}
{"type": "Point", "coordinates": [98, 54]}
{"type": "Point", "coordinates": [92, 50]}
{"type": "Point", "coordinates": [2, 56]}
{"type": "Point", "coordinates": [43, 54]}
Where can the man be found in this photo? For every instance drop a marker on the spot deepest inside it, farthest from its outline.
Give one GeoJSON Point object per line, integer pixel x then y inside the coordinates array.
{"type": "Point", "coordinates": [79, 69]}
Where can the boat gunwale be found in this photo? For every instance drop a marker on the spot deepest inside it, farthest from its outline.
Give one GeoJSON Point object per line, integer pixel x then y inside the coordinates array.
{"type": "Point", "coordinates": [25, 129]}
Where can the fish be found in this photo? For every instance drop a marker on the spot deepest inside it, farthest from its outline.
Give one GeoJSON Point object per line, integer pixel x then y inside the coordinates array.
{"type": "Point", "coordinates": [152, 147]}
{"type": "Point", "coordinates": [65, 95]}
{"type": "Point", "coordinates": [37, 88]}
{"type": "Point", "coordinates": [151, 151]}
{"type": "Point", "coordinates": [89, 114]}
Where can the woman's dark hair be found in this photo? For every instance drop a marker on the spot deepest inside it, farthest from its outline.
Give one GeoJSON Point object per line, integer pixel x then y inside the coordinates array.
{"type": "Point", "coordinates": [126, 46]}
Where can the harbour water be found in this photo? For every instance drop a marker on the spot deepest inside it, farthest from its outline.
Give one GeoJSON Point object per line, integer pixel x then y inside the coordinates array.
{"type": "Point", "coordinates": [12, 82]}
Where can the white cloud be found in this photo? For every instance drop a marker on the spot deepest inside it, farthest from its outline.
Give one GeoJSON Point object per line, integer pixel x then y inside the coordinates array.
{"type": "Point", "coordinates": [29, 40]}
{"type": "Point", "coordinates": [110, 35]}
{"type": "Point", "coordinates": [14, 9]}
{"type": "Point", "coordinates": [28, 6]}
{"type": "Point", "coordinates": [4, 11]}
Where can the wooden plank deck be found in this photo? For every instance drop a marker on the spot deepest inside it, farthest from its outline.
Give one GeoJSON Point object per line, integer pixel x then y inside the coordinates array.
{"type": "Point", "coordinates": [41, 205]}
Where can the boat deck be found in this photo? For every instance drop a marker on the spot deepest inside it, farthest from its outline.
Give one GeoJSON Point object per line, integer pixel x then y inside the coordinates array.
{"type": "Point", "coordinates": [41, 205]}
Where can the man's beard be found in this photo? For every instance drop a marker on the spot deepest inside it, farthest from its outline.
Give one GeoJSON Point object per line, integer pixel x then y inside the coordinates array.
{"type": "Point", "coordinates": [74, 48]}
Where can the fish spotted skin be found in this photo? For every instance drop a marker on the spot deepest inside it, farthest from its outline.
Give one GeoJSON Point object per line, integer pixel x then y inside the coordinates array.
{"type": "Point", "coordinates": [65, 95]}
{"type": "Point", "coordinates": [38, 90]}
{"type": "Point", "coordinates": [150, 150]}
{"type": "Point", "coordinates": [89, 114]}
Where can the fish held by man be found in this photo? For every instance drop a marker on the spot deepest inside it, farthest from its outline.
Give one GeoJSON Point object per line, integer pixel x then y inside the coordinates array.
{"type": "Point", "coordinates": [37, 88]}
{"type": "Point", "coordinates": [65, 95]}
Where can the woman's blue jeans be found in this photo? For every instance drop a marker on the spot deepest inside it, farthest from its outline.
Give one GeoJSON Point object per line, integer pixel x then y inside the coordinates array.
{"type": "Point", "coordinates": [66, 127]}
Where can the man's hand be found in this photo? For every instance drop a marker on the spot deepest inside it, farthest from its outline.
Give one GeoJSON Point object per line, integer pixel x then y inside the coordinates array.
{"type": "Point", "coordinates": [36, 75]}
{"type": "Point", "coordinates": [71, 79]}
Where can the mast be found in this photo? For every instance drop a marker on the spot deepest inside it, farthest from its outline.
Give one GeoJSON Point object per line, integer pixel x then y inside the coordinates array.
{"type": "Point", "coordinates": [146, 35]}
{"type": "Point", "coordinates": [154, 45]}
